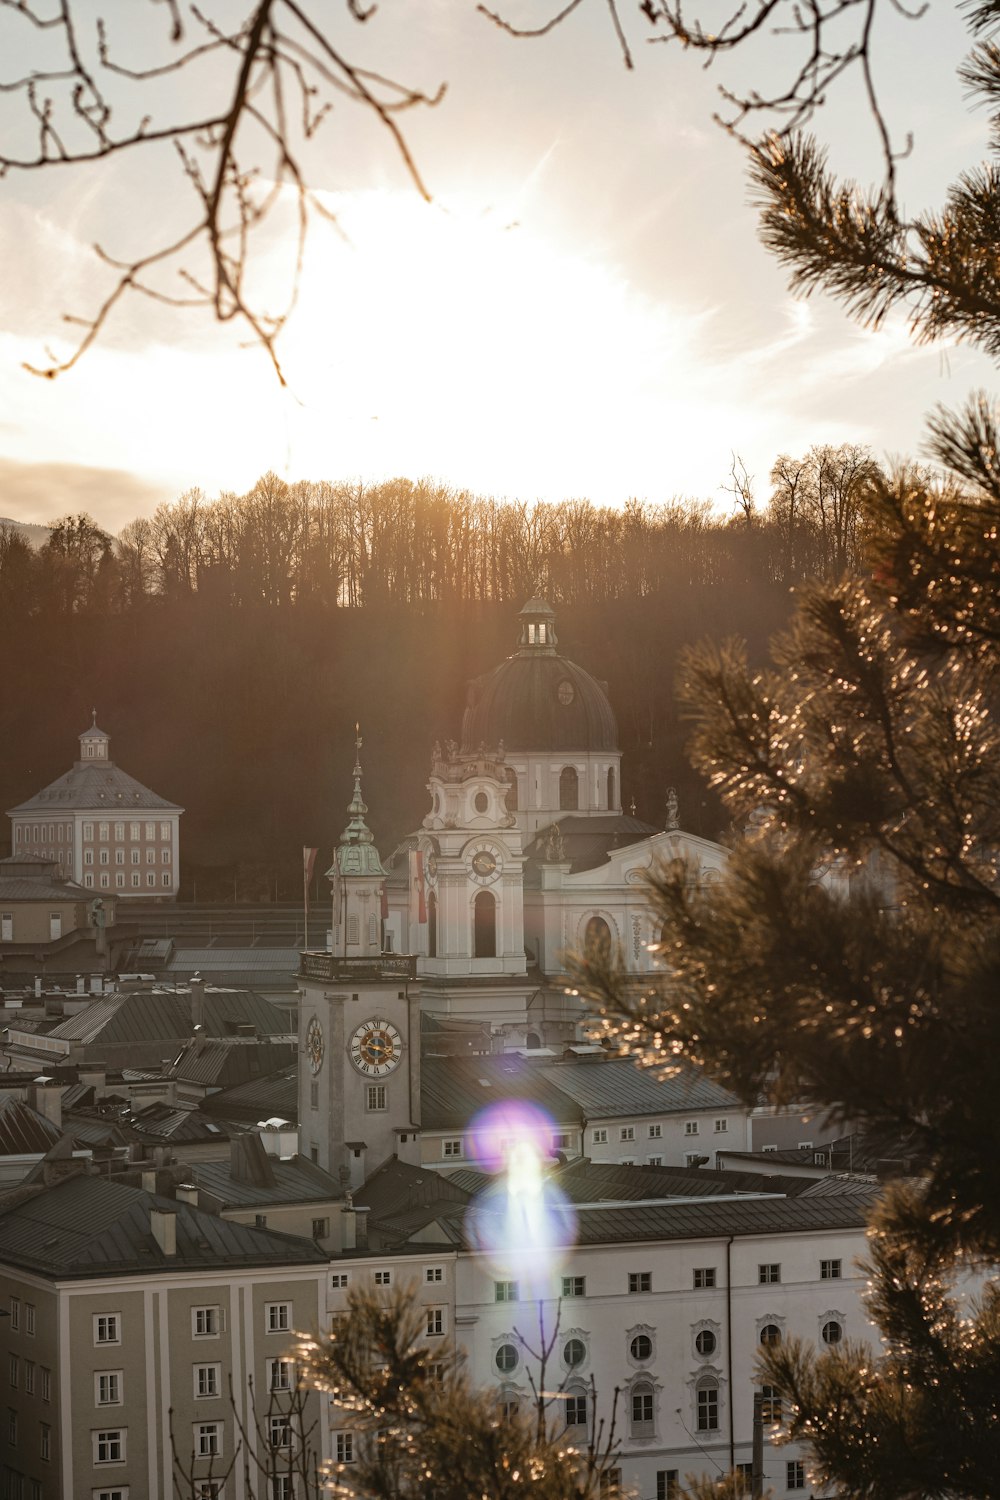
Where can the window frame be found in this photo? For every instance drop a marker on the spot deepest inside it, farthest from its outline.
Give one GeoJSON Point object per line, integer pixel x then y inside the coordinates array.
{"type": "Point", "coordinates": [105, 1318]}
{"type": "Point", "coordinates": [116, 1382]}
{"type": "Point", "coordinates": [109, 1437]}
{"type": "Point", "coordinates": [277, 1317]}
{"type": "Point", "coordinates": [640, 1283]}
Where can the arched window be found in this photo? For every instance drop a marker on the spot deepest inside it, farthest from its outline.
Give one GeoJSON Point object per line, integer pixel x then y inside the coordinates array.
{"type": "Point", "coordinates": [505, 1358]}
{"type": "Point", "coordinates": [576, 1408]}
{"type": "Point", "coordinates": [832, 1332]}
{"type": "Point", "coordinates": [707, 1396]}
{"type": "Point", "coordinates": [569, 789]}
{"type": "Point", "coordinates": [770, 1334]}
{"type": "Point", "coordinates": [597, 938]}
{"type": "Point", "coordinates": [611, 789]}
{"type": "Point", "coordinates": [511, 791]}
{"type": "Point", "coordinates": [485, 926]}
{"type": "Point", "coordinates": [770, 1404]}
{"type": "Point", "coordinates": [642, 1410]}
{"type": "Point", "coordinates": [432, 926]}
{"type": "Point", "coordinates": [532, 1041]}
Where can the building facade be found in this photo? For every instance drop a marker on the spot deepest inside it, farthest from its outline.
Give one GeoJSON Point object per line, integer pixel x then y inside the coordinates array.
{"type": "Point", "coordinates": [105, 830]}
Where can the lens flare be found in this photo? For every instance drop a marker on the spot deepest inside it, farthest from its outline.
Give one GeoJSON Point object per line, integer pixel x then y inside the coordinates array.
{"type": "Point", "coordinates": [523, 1224]}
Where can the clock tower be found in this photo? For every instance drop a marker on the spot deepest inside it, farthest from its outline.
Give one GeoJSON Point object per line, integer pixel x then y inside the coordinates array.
{"type": "Point", "coordinates": [359, 1024]}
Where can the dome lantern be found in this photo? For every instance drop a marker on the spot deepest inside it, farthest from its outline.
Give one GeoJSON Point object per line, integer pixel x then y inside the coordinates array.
{"type": "Point", "coordinates": [538, 627]}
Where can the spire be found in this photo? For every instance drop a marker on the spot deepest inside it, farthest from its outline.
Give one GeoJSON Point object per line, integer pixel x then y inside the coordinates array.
{"type": "Point", "coordinates": [356, 853]}
{"type": "Point", "coordinates": [357, 830]}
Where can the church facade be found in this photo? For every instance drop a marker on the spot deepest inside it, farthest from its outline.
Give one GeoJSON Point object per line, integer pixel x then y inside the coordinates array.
{"type": "Point", "coordinates": [525, 852]}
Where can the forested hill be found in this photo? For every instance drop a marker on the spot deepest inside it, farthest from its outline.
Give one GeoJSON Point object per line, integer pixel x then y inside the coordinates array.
{"type": "Point", "coordinates": [230, 646]}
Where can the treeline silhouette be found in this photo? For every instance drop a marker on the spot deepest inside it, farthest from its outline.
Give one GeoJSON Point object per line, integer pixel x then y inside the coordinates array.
{"type": "Point", "coordinates": [230, 645]}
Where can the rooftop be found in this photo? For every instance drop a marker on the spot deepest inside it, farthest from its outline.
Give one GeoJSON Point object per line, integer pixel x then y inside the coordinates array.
{"type": "Point", "coordinates": [612, 1087]}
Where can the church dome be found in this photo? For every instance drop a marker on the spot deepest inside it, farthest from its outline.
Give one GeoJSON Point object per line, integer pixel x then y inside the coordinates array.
{"type": "Point", "coordinates": [536, 700]}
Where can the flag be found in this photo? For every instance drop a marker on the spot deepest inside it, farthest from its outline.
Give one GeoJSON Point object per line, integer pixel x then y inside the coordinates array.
{"type": "Point", "coordinates": [336, 889]}
{"type": "Point", "coordinates": [385, 902]}
{"type": "Point", "coordinates": [418, 897]}
{"type": "Point", "coordinates": [308, 860]}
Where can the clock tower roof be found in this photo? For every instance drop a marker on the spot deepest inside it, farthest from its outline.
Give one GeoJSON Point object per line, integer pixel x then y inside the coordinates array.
{"type": "Point", "coordinates": [356, 853]}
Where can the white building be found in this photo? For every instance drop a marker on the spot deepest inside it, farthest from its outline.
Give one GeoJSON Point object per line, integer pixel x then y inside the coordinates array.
{"type": "Point", "coordinates": [107, 831]}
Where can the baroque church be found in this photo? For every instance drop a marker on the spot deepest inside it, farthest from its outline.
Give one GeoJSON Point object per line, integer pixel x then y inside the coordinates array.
{"type": "Point", "coordinates": [525, 853]}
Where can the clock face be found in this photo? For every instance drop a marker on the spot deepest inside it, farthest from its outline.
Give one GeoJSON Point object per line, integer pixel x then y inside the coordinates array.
{"type": "Point", "coordinates": [485, 865]}
{"type": "Point", "coordinates": [376, 1048]}
{"type": "Point", "coordinates": [565, 692]}
{"type": "Point", "coordinates": [315, 1045]}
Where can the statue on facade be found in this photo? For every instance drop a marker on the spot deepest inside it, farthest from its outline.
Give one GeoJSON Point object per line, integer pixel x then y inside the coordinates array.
{"type": "Point", "coordinates": [555, 849]}
{"type": "Point", "coordinates": [673, 821]}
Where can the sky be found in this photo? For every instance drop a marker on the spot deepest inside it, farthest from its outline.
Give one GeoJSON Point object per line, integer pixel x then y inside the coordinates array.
{"type": "Point", "coordinates": [583, 310]}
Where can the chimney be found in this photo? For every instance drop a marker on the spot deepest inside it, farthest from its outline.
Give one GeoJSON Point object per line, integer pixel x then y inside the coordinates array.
{"type": "Point", "coordinates": [354, 1226]}
{"type": "Point", "coordinates": [248, 1161]}
{"type": "Point", "coordinates": [163, 1224]}
{"type": "Point", "coordinates": [187, 1192]}
{"type": "Point", "coordinates": [149, 1180]}
{"type": "Point", "coordinates": [46, 1098]}
{"type": "Point", "coordinates": [38, 988]}
{"type": "Point", "coordinates": [80, 990]}
{"type": "Point", "coordinates": [96, 1076]}
{"type": "Point", "coordinates": [96, 984]}
{"type": "Point", "coordinates": [197, 1000]}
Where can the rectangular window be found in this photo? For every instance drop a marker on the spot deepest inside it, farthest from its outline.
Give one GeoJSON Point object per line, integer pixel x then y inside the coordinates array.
{"type": "Point", "coordinates": [770, 1404]}
{"type": "Point", "coordinates": [574, 1286]}
{"type": "Point", "coordinates": [721, 1127]}
{"type": "Point", "coordinates": [654, 1161]}
{"type": "Point", "coordinates": [105, 857]}
{"type": "Point", "coordinates": [611, 1483]}
{"type": "Point", "coordinates": [278, 1317]}
{"type": "Point", "coordinates": [12, 1433]}
{"type": "Point", "coordinates": [88, 856]}
{"type": "Point", "coordinates": [107, 1328]}
{"type": "Point", "coordinates": [208, 1439]}
{"type": "Point", "coordinates": [118, 1493]}
{"type": "Point", "coordinates": [375, 1096]}
{"type": "Point", "coordinates": [561, 1142]}
{"type": "Point", "coordinates": [14, 1371]}
{"type": "Point", "coordinates": [795, 1474]}
{"type": "Point", "coordinates": [151, 856]}
{"type": "Point", "coordinates": [15, 1314]}
{"type": "Point", "coordinates": [708, 1408]}
{"type": "Point", "coordinates": [151, 830]}
{"type": "Point", "coordinates": [642, 1409]}
{"type": "Point", "coordinates": [655, 1132]}
{"type": "Point", "coordinates": [320, 1228]}
{"type": "Point", "coordinates": [105, 882]}
{"type": "Point", "coordinates": [383, 1278]}
{"type": "Point", "coordinates": [208, 1489]}
{"type": "Point", "coordinates": [205, 1322]}
{"type": "Point", "coordinates": [29, 1319]}
{"type": "Point", "coordinates": [135, 856]}
{"type": "Point", "coordinates": [279, 1487]}
{"type": "Point", "coordinates": [88, 830]}
{"type": "Point", "coordinates": [313, 1094]}
{"type": "Point", "coordinates": [119, 830]}
{"type": "Point", "coordinates": [345, 1447]}
{"type": "Point", "coordinates": [151, 878]}
{"type": "Point", "coordinates": [109, 1446]}
{"type": "Point", "coordinates": [640, 1281]}
{"type": "Point", "coordinates": [207, 1380]}
{"type": "Point", "coordinates": [435, 1322]}
{"type": "Point", "coordinates": [103, 830]}
{"type": "Point", "coordinates": [165, 879]}
{"type": "Point", "coordinates": [120, 882]}
{"type": "Point", "coordinates": [29, 1377]}
{"type": "Point", "coordinates": [164, 830]}
{"type": "Point", "coordinates": [434, 1273]}
{"type": "Point", "coordinates": [339, 1280]}
{"type": "Point", "coordinates": [119, 856]}
{"type": "Point", "coordinates": [704, 1276]}
{"type": "Point", "coordinates": [667, 1484]}
{"type": "Point", "coordinates": [690, 1127]}
{"type": "Point", "coordinates": [452, 1147]}
{"type": "Point", "coordinates": [164, 856]}
{"type": "Point", "coordinates": [829, 1270]}
{"type": "Point", "coordinates": [46, 1384]}
{"type": "Point", "coordinates": [279, 1432]}
{"type": "Point", "coordinates": [136, 881]}
{"type": "Point", "coordinates": [768, 1274]}
{"type": "Point", "coordinates": [108, 1387]}
{"type": "Point", "coordinates": [505, 1291]}
{"type": "Point", "coordinates": [627, 1133]}
{"type": "Point", "coordinates": [576, 1411]}
{"type": "Point", "coordinates": [45, 1442]}
{"type": "Point", "coordinates": [6, 927]}
{"type": "Point", "coordinates": [279, 1374]}
{"type": "Point", "coordinates": [600, 1137]}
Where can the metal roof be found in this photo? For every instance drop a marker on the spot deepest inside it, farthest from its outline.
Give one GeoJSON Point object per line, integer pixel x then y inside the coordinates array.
{"type": "Point", "coordinates": [23, 1131]}
{"type": "Point", "coordinates": [398, 1187]}
{"type": "Point", "coordinates": [164, 1015]}
{"type": "Point", "coordinates": [163, 1122]}
{"type": "Point", "coordinates": [588, 841]}
{"type": "Point", "coordinates": [295, 1181]}
{"type": "Point", "coordinates": [591, 1182]}
{"type": "Point", "coordinates": [222, 1063]}
{"type": "Point", "coordinates": [613, 1087]}
{"type": "Point", "coordinates": [259, 1099]}
{"type": "Point", "coordinates": [39, 888]}
{"type": "Point", "coordinates": [101, 787]}
{"type": "Point", "coordinates": [229, 960]}
{"type": "Point", "coordinates": [86, 1225]}
{"type": "Point", "coordinates": [454, 1089]}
